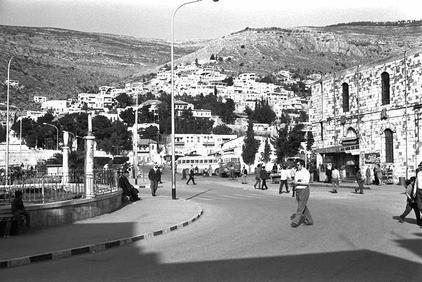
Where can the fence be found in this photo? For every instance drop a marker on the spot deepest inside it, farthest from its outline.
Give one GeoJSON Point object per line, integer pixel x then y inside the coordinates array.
{"type": "Point", "coordinates": [45, 188]}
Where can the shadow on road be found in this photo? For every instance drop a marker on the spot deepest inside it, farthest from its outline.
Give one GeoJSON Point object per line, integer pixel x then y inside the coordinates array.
{"type": "Point", "coordinates": [196, 195]}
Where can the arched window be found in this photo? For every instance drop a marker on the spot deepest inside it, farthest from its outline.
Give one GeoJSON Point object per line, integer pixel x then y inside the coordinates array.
{"type": "Point", "coordinates": [389, 149]}
{"type": "Point", "coordinates": [345, 91]}
{"type": "Point", "coordinates": [385, 88]}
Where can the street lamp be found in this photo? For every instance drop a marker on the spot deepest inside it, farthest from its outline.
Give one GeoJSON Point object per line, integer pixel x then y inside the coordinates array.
{"type": "Point", "coordinates": [7, 121]}
{"type": "Point", "coordinates": [135, 135]}
{"type": "Point", "coordinates": [173, 157]}
{"type": "Point", "coordinates": [57, 146]}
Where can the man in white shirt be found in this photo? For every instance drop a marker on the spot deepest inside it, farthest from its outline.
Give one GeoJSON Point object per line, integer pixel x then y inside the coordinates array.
{"type": "Point", "coordinates": [301, 182]}
{"type": "Point", "coordinates": [335, 179]}
{"type": "Point", "coordinates": [284, 175]}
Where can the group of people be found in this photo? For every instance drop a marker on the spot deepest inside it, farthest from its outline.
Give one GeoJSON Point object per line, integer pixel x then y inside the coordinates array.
{"type": "Point", "coordinates": [261, 177]}
{"type": "Point", "coordinates": [414, 196]}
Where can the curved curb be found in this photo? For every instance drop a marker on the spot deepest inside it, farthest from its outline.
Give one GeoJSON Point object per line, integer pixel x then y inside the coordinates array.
{"type": "Point", "coordinates": [93, 248]}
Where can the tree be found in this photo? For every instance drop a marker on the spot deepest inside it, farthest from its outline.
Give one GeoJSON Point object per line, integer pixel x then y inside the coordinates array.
{"type": "Point", "coordinates": [228, 80]}
{"type": "Point", "coordinates": [263, 112]}
{"type": "Point", "coordinates": [150, 132]}
{"type": "Point", "coordinates": [227, 111]}
{"type": "Point", "coordinates": [2, 133]}
{"type": "Point", "coordinates": [288, 142]}
{"type": "Point", "coordinates": [222, 130]}
{"type": "Point", "coordinates": [250, 146]}
{"type": "Point", "coordinates": [266, 155]}
{"type": "Point", "coordinates": [124, 100]}
{"type": "Point", "coordinates": [128, 116]}
{"type": "Point", "coordinates": [309, 140]}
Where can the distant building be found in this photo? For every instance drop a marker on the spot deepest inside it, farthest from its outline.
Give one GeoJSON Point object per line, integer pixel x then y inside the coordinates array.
{"type": "Point", "coordinates": [201, 144]}
{"type": "Point", "coordinates": [57, 106]}
{"type": "Point", "coordinates": [40, 99]}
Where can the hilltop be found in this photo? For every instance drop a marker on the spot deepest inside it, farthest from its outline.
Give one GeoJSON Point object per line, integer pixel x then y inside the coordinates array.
{"type": "Point", "coordinates": [60, 63]}
{"type": "Point", "coordinates": [310, 49]}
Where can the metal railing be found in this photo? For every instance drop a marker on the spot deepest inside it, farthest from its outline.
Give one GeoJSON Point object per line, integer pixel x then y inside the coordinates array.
{"type": "Point", "coordinates": [47, 188]}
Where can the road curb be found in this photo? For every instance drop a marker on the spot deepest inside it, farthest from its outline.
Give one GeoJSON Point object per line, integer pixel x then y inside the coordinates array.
{"type": "Point", "coordinates": [93, 248]}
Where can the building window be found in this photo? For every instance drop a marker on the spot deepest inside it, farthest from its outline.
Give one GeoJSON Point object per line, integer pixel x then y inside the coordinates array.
{"type": "Point", "coordinates": [389, 150]}
{"type": "Point", "coordinates": [345, 91]}
{"type": "Point", "coordinates": [385, 88]}
{"type": "Point", "coordinates": [322, 130]}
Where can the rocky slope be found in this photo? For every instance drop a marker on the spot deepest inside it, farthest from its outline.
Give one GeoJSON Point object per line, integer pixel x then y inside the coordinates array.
{"type": "Point", "coordinates": [309, 49]}
{"type": "Point", "coordinates": [60, 63]}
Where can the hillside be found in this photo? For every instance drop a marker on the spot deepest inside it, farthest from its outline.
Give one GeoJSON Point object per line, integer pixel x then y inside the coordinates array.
{"type": "Point", "coordinates": [60, 63]}
{"type": "Point", "coordinates": [309, 49]}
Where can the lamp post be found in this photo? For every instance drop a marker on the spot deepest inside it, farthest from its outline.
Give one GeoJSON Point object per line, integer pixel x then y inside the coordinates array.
{"type": "Point", "coordinates": [57, 146]}
{"type": "Point", "coordinates": [7, 121]}
{"type": "Point", "coordinates": [173, 157]}
{"type": "Point", "coordinates": [135, 135]}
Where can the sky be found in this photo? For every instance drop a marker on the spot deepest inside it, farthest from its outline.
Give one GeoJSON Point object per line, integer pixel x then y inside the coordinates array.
{"type": "Point", "coordinates": [202, 20]}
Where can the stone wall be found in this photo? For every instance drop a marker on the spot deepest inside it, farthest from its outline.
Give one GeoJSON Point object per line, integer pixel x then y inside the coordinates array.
{"type": "Point", "coordinates": [44, 215]}
{"type": "Point", "coordinates": [367, 116]}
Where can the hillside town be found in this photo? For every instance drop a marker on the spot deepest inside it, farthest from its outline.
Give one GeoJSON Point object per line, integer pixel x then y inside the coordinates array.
{"type": "Point", "coordinates": [193, 80]}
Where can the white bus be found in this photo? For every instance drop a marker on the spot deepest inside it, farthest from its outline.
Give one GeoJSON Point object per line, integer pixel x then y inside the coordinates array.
{"type": "Point", "coordinates": [202, 162]}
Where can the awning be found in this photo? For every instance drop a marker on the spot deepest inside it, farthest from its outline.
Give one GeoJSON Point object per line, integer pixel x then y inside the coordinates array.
{"type": "Point", "coordinates": [338, 149]}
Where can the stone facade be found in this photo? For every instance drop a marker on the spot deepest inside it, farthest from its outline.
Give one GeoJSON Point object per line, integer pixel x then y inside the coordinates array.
{"type": "Point", "coordinates": [380, 122]}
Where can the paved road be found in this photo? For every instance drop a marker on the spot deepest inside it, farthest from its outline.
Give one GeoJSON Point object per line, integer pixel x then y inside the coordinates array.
{"type": "Point", "coordinates": [244, 235]}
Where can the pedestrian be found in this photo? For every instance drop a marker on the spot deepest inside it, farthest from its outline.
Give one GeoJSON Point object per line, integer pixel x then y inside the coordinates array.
{"type": "Point", "coordinates": [292, 177]}
{"type": "Point", "coordinates": [159, 172]}
{"type": "Point", "coordinates": [335, 179]}
{"type": "Point", "coordinates": [417, 191]}
{"type": "Point", "coordinates": [301, 182]}
{"type": "Point", "coordinates": [184, 172]}
{"type": "Point", "coordinates": [232, 171]}
{"type": "Point", "coordinates": [191, 176]}
{"type": "Point", "coordinates": [129, 192]}
{"type": "Point", "coordinates": [258, 177]}
{"type": "Point", "coordinates": [18, 209]}
{"type": "Point", "coordinates": [376, 180]}
{"type": "Point", "coordinates": [411, 202]}
{"type": "Point", "coordinates": [264, 176]}
{"type": "Point", "coordinates": [154, 177]}
{"type": "Point", "coordinates": [360, 181]}
{"type": "Point", "coordinates": [244, 175]}
{"type": "Point", "coordinates": [328, 173]}
{"type": "Point", "coordinates": [209, 170]}
{"type": "Point", "coordinates": [368, 179]}
{"type": "Point", "coordinates": [379, 174]}
{"type": "Point", "coordinates": [275, 168]}
{"type": "Point", "coordinates": [284, 176]}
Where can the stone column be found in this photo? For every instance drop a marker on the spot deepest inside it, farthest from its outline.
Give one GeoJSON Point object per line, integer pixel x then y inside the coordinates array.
{"type": "Point", "coordinates": [89, 161]}
{"type": "Point", "coordinates": [65, 166]}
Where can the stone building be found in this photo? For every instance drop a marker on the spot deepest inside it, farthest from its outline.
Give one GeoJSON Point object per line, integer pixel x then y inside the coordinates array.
{"type": "Point", "coordinates": [369, 115]}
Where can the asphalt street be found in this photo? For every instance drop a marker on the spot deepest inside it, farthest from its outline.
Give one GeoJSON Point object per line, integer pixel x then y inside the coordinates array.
{"type": "Point", "coordinates": [245, 235]}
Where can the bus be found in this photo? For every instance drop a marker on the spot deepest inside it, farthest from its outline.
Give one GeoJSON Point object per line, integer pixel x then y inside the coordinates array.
{"type": "Point", "coordinates": [201, 162]}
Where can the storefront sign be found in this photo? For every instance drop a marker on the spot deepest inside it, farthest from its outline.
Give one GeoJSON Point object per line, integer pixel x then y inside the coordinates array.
{"type": "Point", "coordinates": [372, 158]}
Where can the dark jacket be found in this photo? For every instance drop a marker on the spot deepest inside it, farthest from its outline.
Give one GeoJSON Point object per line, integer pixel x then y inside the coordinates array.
{"type": "Point", "coordinates": [263, 174]}
{"type": "Point", "coordinates": [154, 175]}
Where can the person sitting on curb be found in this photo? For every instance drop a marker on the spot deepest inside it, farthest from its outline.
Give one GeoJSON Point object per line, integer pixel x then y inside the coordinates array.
{"type": "Point", "coordinates": [128, 190]}
{"type": "Point", "coordinates": [18, 209]}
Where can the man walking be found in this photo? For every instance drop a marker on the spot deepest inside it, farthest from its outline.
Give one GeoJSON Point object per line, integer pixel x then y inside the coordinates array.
{"type": "Point", "coordinates": [335, 179]}
{"type": "Point", "coordinates": [191, 175]}
{"type": "Point", "coordinates": [258, 177]}
{"type": "Point", "coordinates": [417, 191]}
{"type": "Point", "coordinates": [360, 181]}
{"type": "Point", "coordinates": [284, 175]}
{"type": "Point", "coordinates": [154, 177]}
{"type": "Point", "coordinates": [301, 182]}
{"type": "Point", "coordinates": [264, 177]}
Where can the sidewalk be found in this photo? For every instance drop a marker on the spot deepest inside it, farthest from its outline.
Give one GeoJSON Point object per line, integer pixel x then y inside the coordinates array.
{"type": "Point", "coordinates": [149, 217]}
